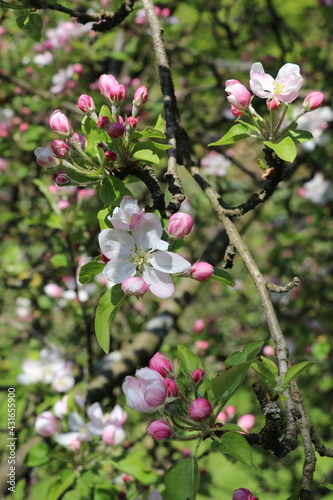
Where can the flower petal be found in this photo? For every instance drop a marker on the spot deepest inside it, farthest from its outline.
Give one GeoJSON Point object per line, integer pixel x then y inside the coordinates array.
{"type": "Point", "coordinates": [116, 244]}
{"type": "Point", "coordinates": [160, 283]}
{"type": "Point", "coordinates": [168, 262]}
{"type": "Point", "coordinates": [147, 231]}
{"type": "Point", "coordinates": [118, 270]}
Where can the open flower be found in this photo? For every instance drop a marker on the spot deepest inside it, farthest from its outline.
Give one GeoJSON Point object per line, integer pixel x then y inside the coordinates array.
{"type": "Point", "coordinates": [146, 392]}
{"type": "Point", "coordinates": [109, 426]}
{"type": "Point", "coordinates": [144, 252]}
{"type": "Point", "coordinates": [284, 88]}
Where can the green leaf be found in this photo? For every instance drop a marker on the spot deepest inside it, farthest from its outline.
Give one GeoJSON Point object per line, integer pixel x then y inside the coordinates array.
{"type": "Point", "coordinates": [294, 371]}
{"type": "Point", "coordinates": [221, 275]}
{"type": "Point", "coordinates": [176, 245]}
{"type": "Point", "coordinates": [106, 311]}
{"type": "Point", "coordinates": [235, 445]}
{"type": "Point", "coordinates": [188, 360]}
{"type": "Point", "coordinates": [66, 480]}
{"type": "Point", "coordinates": [102, 217]}
{"type": "Point", "coordinates": [182, 480]}
{"type": "Point", "coordinates": [146, 155]}
{"type": "Point", "coordinates": [234, 134]}
{"type": "Point", "coordinates": [267, 371]}
{"type": "Point", "coordinates": [157, 148]}
{"type": "Point", "coordinates": [31, 25]}
{"type": "Point", "coordinates": [159, 125]}
{"type": "Point", "coordinates": [249, 352]}
{"type": "Point", "coordinates": [106, 111]}
{"type": "Point", "coordinates": [226, 383]}
{"type": "Point", "coordinates": [285, 149]}
{"type": "Point", "coordinates": [112, 191]}
{"type": "Point", "coordinates": [89, 271]}
{"type": "Point", "coordinates": [59, 260]}
{"type": "Point", "coordinates": [232, 427]}
{"type": "Point", "coordinates": [295, 494]}
{"type": "Point", "coordinates": [300, 136]}
{"type": "Point", "coordinates": [37, 455]}
{"type": "Point", "coordinates": [326, 485]}
{"type": "Point", "coordinates": [7, 5]}
{"type": "Point", "coordinates": [137, 467]}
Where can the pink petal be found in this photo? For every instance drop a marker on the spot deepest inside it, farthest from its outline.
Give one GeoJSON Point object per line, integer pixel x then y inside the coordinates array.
{"type": "Point", "coordinates": [160, 283]}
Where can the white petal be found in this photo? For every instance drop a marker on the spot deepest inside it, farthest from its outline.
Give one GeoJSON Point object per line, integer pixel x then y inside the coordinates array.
{"type": "Point", "coordinates": [67, 438]}
{"type": "Point", "coordinates": [116, 244]}
{"type": "Point", "coordinates": [147, 231]}
{"type": "Point", "coordinates": [169, 262]}
{"type": "Point", "coordinates": [160, 283]}
{"type": "Point", "coordinates": [118, 270]}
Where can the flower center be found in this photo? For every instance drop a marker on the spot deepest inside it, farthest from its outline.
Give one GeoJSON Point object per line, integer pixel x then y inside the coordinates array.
{"type": "Point", "coordinates": [278, 88]}
{"type": "Point", "coordinates": [140, 258]}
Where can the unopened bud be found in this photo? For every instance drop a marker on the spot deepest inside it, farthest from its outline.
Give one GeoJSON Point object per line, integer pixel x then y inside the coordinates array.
{"type": "Point", "coordinates": [111, 155]}
{"type": "Point", "coordinates": [103, 122]}
{"type": "Point", "coordinates": [200, 409]}
{"type": "Point", "coordinates": [197, 375]}
{"type": "Point", "coordinates": [159, 430]}
{"type": "Point", "coordinates": [59, 148]}
{"type": "Point", "coordinates": [60, 124]}
{"type": "Point", "coordinates": [160, 364]}
{"type": "Point", "coordinates": [116, 130]}
{"type": "Point", "coordinates": [61, 178]}
{"type": "Point", "coordinates": [134, 286]}
{"type": "Point", "coordinates": [86, 104]}
{"type": "Point", "coordinates": [180, 225]}
{"type": "Point", "coordinates": [313, 100]}
{"type": "Point", "coordinates": [171, 387]}
{"type": "Point", "coordinates": [201, 271]}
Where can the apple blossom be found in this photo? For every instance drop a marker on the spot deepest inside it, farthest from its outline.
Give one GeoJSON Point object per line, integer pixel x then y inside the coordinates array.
{"type": "Point", "coordinates": [197, 375]}
{"type": "Point", "coordinates": [200, 409]}
{"type": "Point", "coordinates": [45, 157]}
{"type": "Point", "coordinates": [284, 88]}
{"type": "Point", "coordinates": [60, 124]}
{"type": "Point", "coordinates": [180, 225]}
{"type": "Point", "coordinates": [146, 392]}
{"type": "Point", "coordinates": [59, 148]}
{"type": "Point", "coordinates": [246, 422]}
{"type": "Point", "coordinates": [201, 271]}
{"type": "Point", "coordinates": [116, 130]}
{"type": "Point", "coordinates": [134, 286]}
{"type": "Point", "coordinates": [109, 426]}
{"type": "Point", "coordinates": [313, 100]}
{"type": "Point", "coordinates": [159, 430]}
{"type": "Point", "coordinates": [46, 424]}
{"type": "Point", "coordinates": [160, 364]}
{"type": "Point", "coordinates": [142, 251]}
{"type": "Point", "coordinates": [103, 122]}
{"type": "Point", "coordinates": [111, 156]}
{"type": "Point", "coordinates": [243, 494]}
{"type": "Point", "coordinates": [238, 95]}
{"type": "Point", "coordinates": [118, 93]}
{"type": "Point", "coordinates": [171, 387]}
{"type": "Point", "coordinates": [127, 212]}
{"type": "Point", "coordinates": [106, 82]}
{"type": "Point", "coordinates": [78, 432]}
{"type": "Point", "coordinates": [86, 104]}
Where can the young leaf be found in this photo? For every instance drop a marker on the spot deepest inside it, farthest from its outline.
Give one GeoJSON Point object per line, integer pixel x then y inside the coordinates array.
{"type": "Point", "coordinates": [234, 134]}
{"type": "Point", "coordinates": [250, 351]}
{"type": "Point", "coordinates": [31, 25]}
{"type": "Point", "coordinates": [112, 191]}
{"type": "Point", "coordinates": [221, 275]}
{"type": "Point", "coordinates": [294, 371]}
{"type": "Point", "coordinates": [182, 480]}
{"type": "Point", "coordinates": [300, 136]}
{"type": "Point", "coordinates": [157, 148]}
{"type": "Point", "coordinates": [285, 149]}
{"type": "Point", "coordinates": [295, 494]}
{"type": "Point", "coordinates": [102, 217]}
{"type": "Point", "coordinates": [267, 371]}
{"type": "Point", "coordinates": [146, 155]}
{"type": "Point", "coordinates": [188, 360]}
{"type": "Point", "coordinates": [37, 455]}
{"type": "Point", "coordinates": [176, 245]}
{"type": "Point", "coordinates": [326, 485]}
{"type": "Point", "coordinates": [106, 311]}
{"type": "Point", "coordinates": [227, 382]}
{"type": "Point", "coordinates": [235, 445]}
{"type": "Point", "coordinates": [89, 271]}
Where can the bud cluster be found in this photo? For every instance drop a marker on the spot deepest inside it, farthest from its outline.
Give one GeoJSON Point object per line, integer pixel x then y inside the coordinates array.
{"type": "Point", "coordinates": [72, 158]}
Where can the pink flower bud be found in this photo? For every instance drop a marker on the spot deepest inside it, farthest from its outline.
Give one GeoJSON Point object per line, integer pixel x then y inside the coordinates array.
{"type": "Point", "coordinates": [199, 325]}
{"type": "Point", "coordinates": [201, 271]}
{"type": "Point", "coordinates": [140, 96]}
{"type": "Point", "coordinates": [197, 375]}
{"type": "Point", "coordinates": [230, 411]}
{"type": "Point", "coordinates": [159, 430]}
{"type": "Point", "coordinates": [103, 122]}
{"type": "Point", "coordinates": [238, 95]}
{"type": "Point", "coordinates": [116, 130]}
{"type": "Point", "coordinates": [81, 140]}
{"type": "Point", "coordinates": [243, 494]}
{"type": "Point", "coordinates": [59, 148]}
{"type": "Point", "coordinates": [60, 124]}
{"type": "Point", "coordinates": [118, 93]}
{"type": "Point", "coordinates": [111, 155]}
{"type": "Point", "coordinates": [131, 122]}
{"type": "Point", "coordinates": [45, 157]}
{"type": "Point", "coordinates": [171, 387]}
{"type": "Point", "coordinates": [54, 291]}
{"type": "Point", "coordinates": [106, 82]}
{"type": "Point", "coordinates": [200, 409]}
{"type": "Point", "coordinates": [268, 350]}
{"type": "Point", "coordinates": [160, 364]}
{"type": "Point", "coordinates": [86, 104]}
{"type": "Point", "coordinates": [180, 225]}
{"type": "Point", "coordinates": [313, 100]}
{"type": "Point", "coordinates": [246, 422]}
{"type": "Point", "coordinates": [46, 424]}
{"type": "Point", "coordinates": [236, 112]}
{"type": "Point", "coordinates": [61, 178]}
{"type": "Point", "coordinates": [134, 285]}
{"type": "Point", "coordinates": [146, 392]}
{"type": "Point", "coordinates": [273, 104]}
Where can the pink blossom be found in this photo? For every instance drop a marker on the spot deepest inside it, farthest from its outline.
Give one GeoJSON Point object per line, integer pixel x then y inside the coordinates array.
{"type": "Point", "coordinates": [199, 325]}
{"type": "Point", "coordinates": [159, 430]}
{"type": "Point", "coordinates": [238, 95]}
{"type": "Point", "coordinates": [78, 432]}
{"type": "Point", "coordinates": [103, 122]}
{"type": "Point", "coordinates": [215, 164]}
{"type": "Point", "coordinates": [52, 290]}
{"type": "Point", "coordinates": [86, 103]}
{"type": "Point", "coordinates": [106, 82]}
{"type": "Point", "coordinates": [318, 189]}
{"type": "Point", "coordinates": [60, 124]}
{"type": "Point", "coordinates": [201, 271]}
{"type": "Point", "coordinates": [131, 122]}
{"type": "Point", "coordinates": [180, 225]}
{"type": "Point", "coordinates": [60, 148]}
{"type": "Point", "coordinates": [313, 100]}
{"type": "Point", "coordinates": [273, 104]}
{"type": "Point", "coordinates": [202, 344]}
{"type": "Point", "coordinates": [116, 130]}
{"type": "Point", "coordinates": [246, 422]}
{"type": "Point", "coordinates": [46, 158]}
{"type": "Point", "coordinates": [146, 392]}
{"type": "Point", "coordinates": [118, 93]}
{"type": "Point", "coordinates": [46, 424]}
{"type": "Point", "coordinates": [230, 411]}
{"type": "Point", "coordinates": [268, 350]}
{"type": "Point", "coordinates": [284, 88]}
{"type": "Point", "coordinates": [108, 425]}
{"type": "Point", "coordinates": [124, 216]}
{"type": "Point", "coordinates": [111, 155]}
{"type": "Point", "coordinates": [243, 494]}
{"type": "Point", "coordinates": [161, 364]}
{"type": "Point", "coordinates": [200, 409]}
{"type": "Point", "coordinates": [140, 96]}
{"type": "Point", "coordinates": [134, 286]}
{"type": "Point", "coordinates": [171, 387]}
{"type": "Point", "coordinates": [197, 375]}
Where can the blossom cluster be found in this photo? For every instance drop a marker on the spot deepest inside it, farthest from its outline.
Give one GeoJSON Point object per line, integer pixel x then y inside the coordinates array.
{"type": "Point", "coordinates": [114, 131]}
{"type": "Point", "coordinates": [135, 246]}
{"type": "Point", "coordinates": [157, 388]}
{"type": "Point", "coordinates": [51, 368]}
{"type": "Point", "coordinates": [81, 425]}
